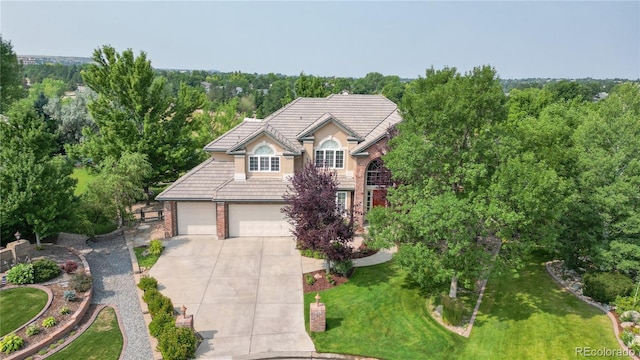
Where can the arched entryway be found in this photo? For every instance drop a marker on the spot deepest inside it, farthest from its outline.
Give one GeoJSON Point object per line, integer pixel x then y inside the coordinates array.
{"type": "Point", "coordinates": [377, 180]}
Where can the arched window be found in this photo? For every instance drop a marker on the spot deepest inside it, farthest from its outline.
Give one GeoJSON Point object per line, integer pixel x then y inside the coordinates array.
{"type": "Point", "coordinates": [264, 159]}
{"type": "Point", "coordinates": [374, 173]}
{"type": "Point", "coordinates": [329, 155]}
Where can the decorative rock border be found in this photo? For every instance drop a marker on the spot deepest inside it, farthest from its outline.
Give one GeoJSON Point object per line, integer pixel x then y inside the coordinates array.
{"type": "Point", "coordinates": [60, 332]}
{"type": "Point", "coordinates": [614, 321]}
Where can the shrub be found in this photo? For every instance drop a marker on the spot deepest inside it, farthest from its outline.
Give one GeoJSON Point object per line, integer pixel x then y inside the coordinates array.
{"type": "Point", "coordinates": [69, 295]}
{"type": "Point", "coordinates": [45, 269]}
{"type": "Point", "coordinates": [157, 303]}
{"type": "Point", "coordinates": [33, 329]}
{"type": "Point", "coordinates": [310, 253]}
{"type": "Point", "coordinates": [49, 322]}
{"type": "Point", "coordinates": [626, 303]}
{"type": "Point", "coordinates": [330, 279]}
{"type": "Point", "coordinates": [605, 287]}
{"type": "Point", "coordinates": [160, 323]}
{"type": "Point", "coordinates": [10, 343]}
{"type": "Point", "coordinates": [69, 266]}
{"type": "Point", "coordinates": [343, 267]}
{"type": "Point", "coordinates": [155, 247]}
{"type": "Point", "coordinates": [310, 280]}
{"type": "Point", "coordinates": [81, 281]}
{"type": "Point", "coordinates": [177, 343]}
{"type": "Point", "coordinates": [64, 310]}
{"type": "Point", "coordinates": [627, 337]}
{"type": "Point", "coordinates": [161, 304]}
{"type": "Point", "coordinates": [150, 294]}
{"type": "Point", "coordinates": [148, 283]}
{"type": "Point", "coordinates": [20, 274]}
{"type": "Point", "coordinates": [453, 310]}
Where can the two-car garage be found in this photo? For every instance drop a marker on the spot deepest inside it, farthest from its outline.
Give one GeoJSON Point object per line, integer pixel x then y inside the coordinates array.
{"type": "Point", "coordinates": [257, 220]}
{"type": "Point", "coordinates": [199, 218]}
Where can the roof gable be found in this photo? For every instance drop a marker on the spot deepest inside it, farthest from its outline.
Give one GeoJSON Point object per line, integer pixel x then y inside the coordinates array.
{"type": "Point", "coordinates": [362, 117]}
{"type": "Point", "coordinates": [271, 133]}
{"type": "Point", "coordinates": [325, 119]}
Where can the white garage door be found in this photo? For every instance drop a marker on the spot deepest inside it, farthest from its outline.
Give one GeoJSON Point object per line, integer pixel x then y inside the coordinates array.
{"type": "Point", "coordinates": [257, 220]}
{"type": "Point", "coordinates": [196, 218]}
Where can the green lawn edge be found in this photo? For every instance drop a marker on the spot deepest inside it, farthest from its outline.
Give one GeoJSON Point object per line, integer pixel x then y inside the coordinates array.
{"type": "Point", "coordinates": [524, 315]}
{"type": "Point", "coordinates": [18, 306]}
{"type": "Point", "coordinates": [103, 340]}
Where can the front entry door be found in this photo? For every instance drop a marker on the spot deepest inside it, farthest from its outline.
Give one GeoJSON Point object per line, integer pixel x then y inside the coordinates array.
{"type": "Point", "coordinates": [379, 198]}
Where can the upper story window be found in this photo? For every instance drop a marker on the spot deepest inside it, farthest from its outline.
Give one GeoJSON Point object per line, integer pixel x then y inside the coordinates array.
{"type": "Point", "coordinates": [264, 159]}
{"type": "Point", "coordinates": [329, 155]}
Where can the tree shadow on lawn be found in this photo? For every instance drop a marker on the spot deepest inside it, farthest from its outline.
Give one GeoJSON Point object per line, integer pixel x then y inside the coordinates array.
{"type": "Point", "coordinates": [517, 295]}
{"type": "Point", "coordinates": [370, 276]}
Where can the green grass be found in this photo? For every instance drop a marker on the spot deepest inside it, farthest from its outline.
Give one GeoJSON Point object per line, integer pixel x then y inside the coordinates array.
{"type": "Point", "coordinates": [19, 305]}
{"type": "Point", "coordinates": [524, 315]}
{"type": "Point", "coordinates": [145, 261]}
{"type": "Point", "coordinates": [378, 313]}
{"type": "Point", "coordinates": [102, 340]}
{"type": "Point", "coordinates": [84, 178]}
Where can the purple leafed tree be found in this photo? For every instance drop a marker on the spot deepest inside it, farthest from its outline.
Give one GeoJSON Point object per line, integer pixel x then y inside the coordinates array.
{"type": "Point", "coordinates": [318, 223]}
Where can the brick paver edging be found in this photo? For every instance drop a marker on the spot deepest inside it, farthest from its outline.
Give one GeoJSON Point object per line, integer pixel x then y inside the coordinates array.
{"type": "Point", "coordinates": [59, 333]}
{"type": "Point", "coordinates": [614, 321]}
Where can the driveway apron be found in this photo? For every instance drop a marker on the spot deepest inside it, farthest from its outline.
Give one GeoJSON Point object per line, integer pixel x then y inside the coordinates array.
{"type": "Point", "coordinates": [245, 293]}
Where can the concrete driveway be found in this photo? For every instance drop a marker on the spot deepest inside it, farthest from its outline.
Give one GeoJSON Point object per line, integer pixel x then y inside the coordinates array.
{"type": "Point", "coordinates": [245, 293]}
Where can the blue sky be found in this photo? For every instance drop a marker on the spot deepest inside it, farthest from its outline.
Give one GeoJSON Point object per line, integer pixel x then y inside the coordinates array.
{"type": "Point", "coordinates": [567, 39]}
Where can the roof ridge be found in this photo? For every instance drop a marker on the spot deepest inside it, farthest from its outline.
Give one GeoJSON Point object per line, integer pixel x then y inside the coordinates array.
{"type": "Point", "coordinates": [279, 137]}
{"type": "Point", "coordinates": [383, 120]}
{"type": "Point", "coordinates": [215, 191]}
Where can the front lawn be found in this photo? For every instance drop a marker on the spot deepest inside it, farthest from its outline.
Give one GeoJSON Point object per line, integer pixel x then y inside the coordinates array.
{"type": "Point", "coordinates": [524, 315]}
{"type": "Point", "coordinates": [377, 313]}
{"type": "Point", "coordinates": [102, 340]}
{"type": "Point", "coordinates": [19, 305]}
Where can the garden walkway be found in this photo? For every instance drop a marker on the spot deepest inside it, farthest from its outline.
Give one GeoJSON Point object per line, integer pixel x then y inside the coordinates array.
{"type": "Point", "coordinates": [113, 284]}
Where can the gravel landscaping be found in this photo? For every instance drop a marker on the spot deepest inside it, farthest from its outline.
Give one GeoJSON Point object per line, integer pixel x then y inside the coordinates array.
{"type": "Point", "coordinates": [113, 284]}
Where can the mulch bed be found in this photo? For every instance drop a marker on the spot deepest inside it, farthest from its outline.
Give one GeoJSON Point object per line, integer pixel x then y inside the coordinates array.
{"type": "Point", "coordinates": [322, 283]}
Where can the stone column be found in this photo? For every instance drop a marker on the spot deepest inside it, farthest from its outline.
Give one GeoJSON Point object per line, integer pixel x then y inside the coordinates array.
{"type": "Point", "coordinates": [317, 316]}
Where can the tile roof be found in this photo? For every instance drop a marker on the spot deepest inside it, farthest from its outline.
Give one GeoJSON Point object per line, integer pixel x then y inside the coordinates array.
{"type": "Point", "coordinates": [364, 115]}
{"type": "Point", "coordinates": [201, 182]}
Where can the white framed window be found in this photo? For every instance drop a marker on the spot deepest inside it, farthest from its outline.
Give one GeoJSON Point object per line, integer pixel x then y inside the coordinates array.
{"type": "Point", "coordinates": [341, 201]}
{"type": "Point", "coordinates": [329, 155]}
{"type": "Point", "coordinates": [264, 160]}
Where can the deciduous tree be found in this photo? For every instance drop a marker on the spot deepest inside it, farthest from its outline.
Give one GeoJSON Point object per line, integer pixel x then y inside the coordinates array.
{"type": "Point", "coordinates": [444, 160]}
{"type": "Point", "coordinates": [134, 112]}
{"type": "Point", "coordinates": [35, 186]}
{"type": "Point", "coordinates": [11, 88]}
{"type": "Point", "coordinates": [318, 223]}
